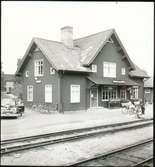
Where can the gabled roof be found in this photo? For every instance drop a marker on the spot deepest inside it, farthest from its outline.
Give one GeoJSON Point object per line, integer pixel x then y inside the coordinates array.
{"type": "Point", "coordinates": [91, 45]}
{"type": "Point", "coordinates": [77, 59]}
{"type": "Point", "coordinates": [58, 55]}
{"type": "Point", "coordinates": [149, 83]}
{"type": "Point", "coordinates": [138, 72]}
{"type": "Point", "coordinates": [9, 77]}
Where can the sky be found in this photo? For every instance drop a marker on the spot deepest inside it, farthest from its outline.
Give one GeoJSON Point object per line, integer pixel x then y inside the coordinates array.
{"type": "Point", "coordinates": [23, 20]}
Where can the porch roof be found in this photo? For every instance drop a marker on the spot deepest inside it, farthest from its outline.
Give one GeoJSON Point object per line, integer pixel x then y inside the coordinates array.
{"type": "Point", "coordinates": [112, 81]}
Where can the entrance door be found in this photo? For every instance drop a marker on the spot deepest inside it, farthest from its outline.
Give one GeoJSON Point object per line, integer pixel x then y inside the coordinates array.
{"type": "Point", "coordinates": [93, 97]}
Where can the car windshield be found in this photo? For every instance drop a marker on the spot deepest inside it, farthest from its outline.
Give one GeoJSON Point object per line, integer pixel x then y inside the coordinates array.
{"type": "Point", "coordinates": [6, 101]}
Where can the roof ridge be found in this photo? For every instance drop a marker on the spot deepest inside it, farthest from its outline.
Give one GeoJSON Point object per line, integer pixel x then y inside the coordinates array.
{"type": "Point", "coordinates": [46, 39]}
{"type": "Point", "coordinates": [94, 34]}
{"type": "Point", "coordinates": [76, 38]}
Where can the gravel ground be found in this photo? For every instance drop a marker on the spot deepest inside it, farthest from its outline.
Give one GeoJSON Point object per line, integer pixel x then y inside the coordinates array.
{"type": "Point", "coordinates": [61, 154]}
{"type": "Point", "coordinates": [33, 123]}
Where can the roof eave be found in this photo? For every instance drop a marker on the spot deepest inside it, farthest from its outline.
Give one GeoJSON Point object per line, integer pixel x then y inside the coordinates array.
{"type": "Point", "coordinates": [33, 41]}
{"type": "Point", "coordinates": [75, 71]}
{"type": "Point", "coordinates": [138, 76]}
{"type": "Point", "coordinates": [104, 43]}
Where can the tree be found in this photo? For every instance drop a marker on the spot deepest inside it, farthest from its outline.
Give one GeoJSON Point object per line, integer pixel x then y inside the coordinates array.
{"type": "Point", "coordinates": [17, 91]}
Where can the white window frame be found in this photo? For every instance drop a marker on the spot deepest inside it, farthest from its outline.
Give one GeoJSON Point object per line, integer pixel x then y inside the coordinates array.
{"type": "Point", "coordinates": [37, 67]}
{"type": "Point", "coordinates": [109, 93]}
{"type": "Point", "coordinates": [27, 74]}
{"type": "Point", "coordinates": [52, 71]}
{"type": "Point", "coordinates": [94, 67]}
{"type": "Point", "coordinates": [109, 69]}
{"type": "Point", "coordinates": [123, 71]}
{"type": "Point", "coordinates": [123, 91]}
{"type": "Point", "coordinates": [74, 93]}
{"type": "Point", "coordinates": [29, 93]}
{"type": "Point", "coordinates": [134, 94]}
{"type": "Point", "coordinates": [48, 95]}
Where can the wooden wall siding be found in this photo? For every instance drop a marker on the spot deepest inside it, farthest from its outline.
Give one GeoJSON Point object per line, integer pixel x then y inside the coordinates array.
{"type": "Point", "coordinates": [148, 96]}
{"type": "Point", "coordinates": [109, 53]}
{"type": "Point", "coordinates": [39, 88]}
{"type": "Point", "coordinates": [61, 81]}
{"type": "Point", "coordinates": [75, 79]}
{"type": "Point", "coordinates": [141, 87]}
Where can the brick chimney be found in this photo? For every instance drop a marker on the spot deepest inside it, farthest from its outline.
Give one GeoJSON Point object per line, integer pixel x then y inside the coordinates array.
{"type": "Point", "coordinates": [67, 36]}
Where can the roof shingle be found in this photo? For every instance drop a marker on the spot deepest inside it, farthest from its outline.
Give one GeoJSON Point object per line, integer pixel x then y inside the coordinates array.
{"type": "Point", "coordinates": [149, 83]}
{"type": "Point", "coordinates": [84, 51]}
{"type": "Point", "coordinates": [138, 72]}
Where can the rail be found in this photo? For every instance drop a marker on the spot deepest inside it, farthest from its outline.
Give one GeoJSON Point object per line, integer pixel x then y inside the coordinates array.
{"type": "Point", "coordinates": [68, 136]}
{"type": "Point", "coordinates": [110, 153]}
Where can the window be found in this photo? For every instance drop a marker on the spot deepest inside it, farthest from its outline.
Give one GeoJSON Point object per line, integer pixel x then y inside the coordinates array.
{"type": "Point", "coordinates": [109, 93]}
{"type": "Point", "coordinates": [27, 74]}
{"type": "Point", "coordinates": [147, 91]}
{"type": "Point", "coordinates": [48, 93]}
{"type": "Point", "coordinates": [38, 70]}
{"type": "Point", "coordinates": [123, 71]}
{"type": "Point", "coordinates": [29, 93]}
{"type": "Point", "coordinates": [123, 93]}
{"type": "Point", "coordinates": [52, 71]}
{"type": "Point", "coordinates": [109, 69]}
{"type": "Point", "coordinates": [94, 68]}
{"type": "Point", "coordinates": [134, 93]}
{"type": "Point", "coordinates": [75, 94]}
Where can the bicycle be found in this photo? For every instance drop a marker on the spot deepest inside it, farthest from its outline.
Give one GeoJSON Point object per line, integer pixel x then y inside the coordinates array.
{"type": "Point", "coordinates": [34, 107]}
{"type": "Point", "coordinates": [138, 110]}
{"type": "Point", "coordinates": [128, 108]}
{"type": "Point", "coordinates": [44, 108]}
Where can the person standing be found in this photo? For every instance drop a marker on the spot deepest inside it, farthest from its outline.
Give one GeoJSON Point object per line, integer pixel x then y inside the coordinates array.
{"type": "Point", "coordinates": [142, 104]}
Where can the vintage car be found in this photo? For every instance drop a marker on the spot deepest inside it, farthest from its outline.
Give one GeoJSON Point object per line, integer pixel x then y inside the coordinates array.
{"type": "Point", "coordinates": [10, 108]}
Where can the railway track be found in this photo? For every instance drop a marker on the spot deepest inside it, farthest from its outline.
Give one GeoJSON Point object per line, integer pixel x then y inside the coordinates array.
{"type": "Point", "coordinates": [24, 143]}
{"type": "Point", "coordinates": [135, 155]}
{"type": "Point", "coordinates": [147, 162]}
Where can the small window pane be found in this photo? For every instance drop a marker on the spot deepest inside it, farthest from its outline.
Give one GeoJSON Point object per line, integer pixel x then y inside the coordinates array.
{"type": "Point", "coordinates": [38, 69]}
{"type": "Point", "coordinates": [123, 71]}
{"type": "Point", "coordinates": [27, 73]}
{"type": "Point", "coordinates": [52, 71]}
{"type": "Point", "coordinates": [109, 93]}
{"type": "Point", "coordinates": [94, 68]}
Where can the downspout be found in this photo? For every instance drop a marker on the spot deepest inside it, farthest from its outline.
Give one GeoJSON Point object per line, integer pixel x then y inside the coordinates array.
{"type": "Point", "coordinates": [60, 107]}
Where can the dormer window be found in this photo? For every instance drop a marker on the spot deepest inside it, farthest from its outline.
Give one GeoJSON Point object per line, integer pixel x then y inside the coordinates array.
{"type": "Point", "coordinates": [27, 74]}
{"type": "Point", "coordinates": [52, 71]}
{"type": "Point", "coordinates": [123, 71]}
{"type": "Point", "coordinates": [38, 69]}
{"type": "Point", "coordinates": [94, 68]}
